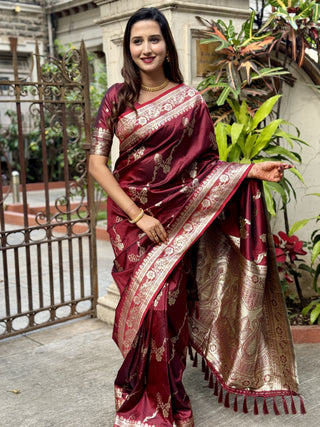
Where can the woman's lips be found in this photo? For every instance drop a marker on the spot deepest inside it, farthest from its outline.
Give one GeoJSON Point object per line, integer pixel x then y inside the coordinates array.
{"type": "Point", "coordinates": [147, 60]}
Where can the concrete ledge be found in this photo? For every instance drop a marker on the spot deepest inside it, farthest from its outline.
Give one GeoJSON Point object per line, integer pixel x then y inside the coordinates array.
{"type": "Point", "coordinates": [107, 305]}
{"type": "Point", "coordinates": [308, 334]}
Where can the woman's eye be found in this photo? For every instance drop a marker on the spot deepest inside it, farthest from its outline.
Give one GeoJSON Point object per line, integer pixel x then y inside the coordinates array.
{"type": "Point", "coordinates": [154, 40]}
{"type": "Point", "coordinates": [137, 42]}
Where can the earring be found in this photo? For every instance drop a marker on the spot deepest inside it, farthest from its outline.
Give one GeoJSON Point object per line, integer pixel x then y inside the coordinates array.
{"type": "Point", "coordinates": [168, 58]}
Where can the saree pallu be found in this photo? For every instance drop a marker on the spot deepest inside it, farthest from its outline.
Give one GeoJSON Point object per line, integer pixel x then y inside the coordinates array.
{"type": "Point", "coordinates": [213, 287]}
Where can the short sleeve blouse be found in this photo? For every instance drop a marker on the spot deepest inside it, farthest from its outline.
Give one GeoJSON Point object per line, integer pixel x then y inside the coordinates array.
{"type": "Point", "coordinates": [102, 135]}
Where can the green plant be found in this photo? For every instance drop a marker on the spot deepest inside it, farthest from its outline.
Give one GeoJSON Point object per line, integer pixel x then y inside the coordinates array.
{"type": "Point", "coordinates": [314, 268]}
{"type": "Point", "coordinates": [296, 23]}
{"type": "Point", "coordinates": [287, 250]}
{"type": "Point", "coordinates": [241, 69]}
{"type": "Point", "coordinates": [9, 140]}
{"type": "Point", "coordinates": [246, 141]}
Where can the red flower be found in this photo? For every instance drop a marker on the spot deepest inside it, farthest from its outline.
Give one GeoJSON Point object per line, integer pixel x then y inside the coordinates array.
{"type": "Point", "coordinates": [292, 246]}
{"type": "Point", "coordinates": [287, 246]}
{"type": "Point", "coordinates": [288, 278]}
{"type": "Point", "coordinates": [280, 255]}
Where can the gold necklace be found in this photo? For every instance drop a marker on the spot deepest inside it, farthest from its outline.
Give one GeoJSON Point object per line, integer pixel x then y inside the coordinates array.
{"type": "Point", "coordinates": [155, 88]}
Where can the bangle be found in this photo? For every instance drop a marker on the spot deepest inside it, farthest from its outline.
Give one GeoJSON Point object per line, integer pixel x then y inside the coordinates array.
{"type": "Point", "coordinates": [135, 220]}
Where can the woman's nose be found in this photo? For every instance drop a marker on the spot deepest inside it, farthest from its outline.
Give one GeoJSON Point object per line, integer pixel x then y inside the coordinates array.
{"type": "Point", "coordinates": [146, 48]}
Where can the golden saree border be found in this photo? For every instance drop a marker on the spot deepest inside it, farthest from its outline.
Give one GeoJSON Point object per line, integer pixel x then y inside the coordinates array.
{"type": "Point", "coordinates": [203, 207]}
{"type": "Point", "coordinates": [125, 422]}
{"type": "Point", "coordinates": [249, 350]}
{"type": "Point", "coordinates": [134, 126]}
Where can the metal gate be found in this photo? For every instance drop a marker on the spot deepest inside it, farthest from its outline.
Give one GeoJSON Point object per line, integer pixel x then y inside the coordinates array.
{"type": "Point", "coordinates": [48, 265]}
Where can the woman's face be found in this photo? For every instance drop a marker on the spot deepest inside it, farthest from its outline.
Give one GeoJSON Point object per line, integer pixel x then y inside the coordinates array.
{"type": "Point", "coordinates": [148, 47]}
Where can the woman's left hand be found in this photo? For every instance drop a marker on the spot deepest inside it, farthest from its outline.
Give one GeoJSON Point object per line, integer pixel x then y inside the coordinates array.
{"type": "Point", "coordinates": [268, 171]}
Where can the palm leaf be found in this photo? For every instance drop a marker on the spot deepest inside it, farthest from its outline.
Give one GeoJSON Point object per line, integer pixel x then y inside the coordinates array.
{"type": "Point", "coordinates": [278, 3]}
{"type": "Point", "coordinates": [263, 111]}
{"type": "Point", "coordinates": [268, 198]}
{"type": "Point", "coordinates": [315, 251]}
{"type": "Point", "coordinates": [282, 151]}
{"type": "Point", "coordinates": [274, 186]}
{"type": "Point", "coordinates": [235, 154]}
{"type": "Point", "coordinates": [265, 136]}
{"type": "Point", "coordinates": [236, 130]}
{"type": "Point", "coordinates": [315, 279]}
{"type": "Point", "coordinates": [298, 224]}
{"type": "Point", "coordinates": [221, 137]}
{"type": "Point", "coordinates": [250, 142]}
{"type": "Point", "coordinates": [288, 136]}
{"type": "Point", "coordinates": [297, 173]}
{"type": "Point", "coordinates": [223, 96]}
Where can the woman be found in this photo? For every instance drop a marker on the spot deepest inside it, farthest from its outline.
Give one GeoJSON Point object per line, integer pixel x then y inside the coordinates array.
{"type": "Point", "coordinates": [192, 249]}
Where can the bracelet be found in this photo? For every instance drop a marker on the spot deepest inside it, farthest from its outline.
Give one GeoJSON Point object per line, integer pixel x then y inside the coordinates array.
{"type": "Point", "coordinates": [135, 220]}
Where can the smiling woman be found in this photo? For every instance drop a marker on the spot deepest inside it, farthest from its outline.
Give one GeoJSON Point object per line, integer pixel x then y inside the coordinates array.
{"type": "Point", "coordinates": [194, 259]}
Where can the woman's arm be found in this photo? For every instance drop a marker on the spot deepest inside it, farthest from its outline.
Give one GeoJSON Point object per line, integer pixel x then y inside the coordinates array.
{"type": "Point", "coordinates": [151, 226]}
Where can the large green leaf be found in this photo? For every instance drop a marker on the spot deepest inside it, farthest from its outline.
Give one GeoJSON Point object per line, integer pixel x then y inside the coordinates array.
{"type": "Point", "coordinates": [244, 116]}
{"type": "Point", "coordinates": [288, 136]}
{"type": "Point", "coordinates": [283, 151]}
{"type": "Point", "coordinates": [274, 186]}
{"type": "Point", "coordinates": [235, 154]}
{"type": "Point", "coordinates": [316, 12]}
{"type": "Point", "coordinates": [315, 313]}
{"type": "Point", "coordinates": [297, 225]}
{"type": "Point", "coordinates": [297, 173]}
{"type": "Point", "coordinates": [315, 251]}
{"type": "Point", "coordinates": [235, 108]}
{"type": "Point", "coordinates": [306, 309]}
{"type": "Point", "coordinates": [249, 144]}
{"type": "Point", "coordinates": [278, 3]}
{"type": "Point", "coordinates": [221, 138]}
{"type": "Point", "coordinates": [269, 199]}
{"type": "Point", "coordinates": [265, 137]}
{"type": "Point", "coordinates": [236, 130]}
{"type": "Point", "coordinates": [223, 96]}
{"type": "Point", "coordinates": [264, 111]}
{"type": "Point", "coordinates": [315, 279]}
{"type": "Point", "coordinates": [300, 224]}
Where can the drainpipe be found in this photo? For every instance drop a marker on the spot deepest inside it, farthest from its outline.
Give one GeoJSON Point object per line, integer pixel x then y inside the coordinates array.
{"type": "Point", "coordinates": [15, 186]}
{"type": "Point", "coordinates": [49, 22]}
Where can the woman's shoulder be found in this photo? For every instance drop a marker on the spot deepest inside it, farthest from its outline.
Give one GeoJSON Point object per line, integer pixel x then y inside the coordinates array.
{"type": "Point", "coordinates": [112, 91]}
{"type": "Point", "coordinates": [192, 94]}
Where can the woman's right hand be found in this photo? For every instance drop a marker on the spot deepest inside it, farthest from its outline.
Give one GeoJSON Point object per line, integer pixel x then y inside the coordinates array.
{"type": "Point", "coordinates": [153, 229]}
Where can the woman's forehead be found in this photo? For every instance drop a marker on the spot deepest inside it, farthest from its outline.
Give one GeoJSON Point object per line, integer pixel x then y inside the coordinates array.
{"type": "Point", "coordinates": [146, 27]}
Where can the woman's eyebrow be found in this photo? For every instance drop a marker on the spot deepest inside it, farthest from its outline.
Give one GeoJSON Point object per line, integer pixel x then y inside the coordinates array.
{"type": "Point", "coordinates": [140, 37]}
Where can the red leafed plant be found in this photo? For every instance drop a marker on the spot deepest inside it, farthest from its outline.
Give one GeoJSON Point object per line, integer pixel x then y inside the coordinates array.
{"type": "Point", "coordinates": [287, 249]}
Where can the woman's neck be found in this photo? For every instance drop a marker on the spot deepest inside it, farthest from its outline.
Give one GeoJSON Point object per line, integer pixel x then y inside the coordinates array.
{"type": "Point", "coordinates": [152, 80]}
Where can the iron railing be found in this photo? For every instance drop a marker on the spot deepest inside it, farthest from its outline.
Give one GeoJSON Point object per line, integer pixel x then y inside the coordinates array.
{"type": "Point", "coordinates": [49, 265]}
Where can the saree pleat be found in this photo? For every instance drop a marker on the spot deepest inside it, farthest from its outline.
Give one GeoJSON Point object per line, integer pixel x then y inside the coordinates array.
{"type": "Point", "coordinates": [213, 286]}
{"type": "Point", "coordinates": [158, 356]}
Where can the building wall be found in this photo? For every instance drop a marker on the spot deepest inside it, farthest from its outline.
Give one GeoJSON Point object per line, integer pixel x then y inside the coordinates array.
{"type": "Point", "coordinates": [300, 106]}
{"type": "Point", "coordinates": [74, 21]}
{"type": "Point", "coordinates": [181, 16]}
{"type": "Point", "coordinates": [26, 21]}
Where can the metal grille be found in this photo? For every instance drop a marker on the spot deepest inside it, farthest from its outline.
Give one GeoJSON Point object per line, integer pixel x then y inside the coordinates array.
{"type": "Point", "coordinates": [49, 265]}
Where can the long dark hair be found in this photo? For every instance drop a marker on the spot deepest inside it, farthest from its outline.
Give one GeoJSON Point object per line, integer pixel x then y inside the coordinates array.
{"type": "Point", "coordinates": [129, 92]}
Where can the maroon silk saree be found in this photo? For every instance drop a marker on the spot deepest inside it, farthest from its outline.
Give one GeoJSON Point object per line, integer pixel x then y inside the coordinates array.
{"type": "Point", "coordinates": [213, 287]}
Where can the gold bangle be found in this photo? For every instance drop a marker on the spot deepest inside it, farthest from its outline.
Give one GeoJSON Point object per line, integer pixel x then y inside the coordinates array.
{"type": "Point", "coordinates": [135, 220]}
